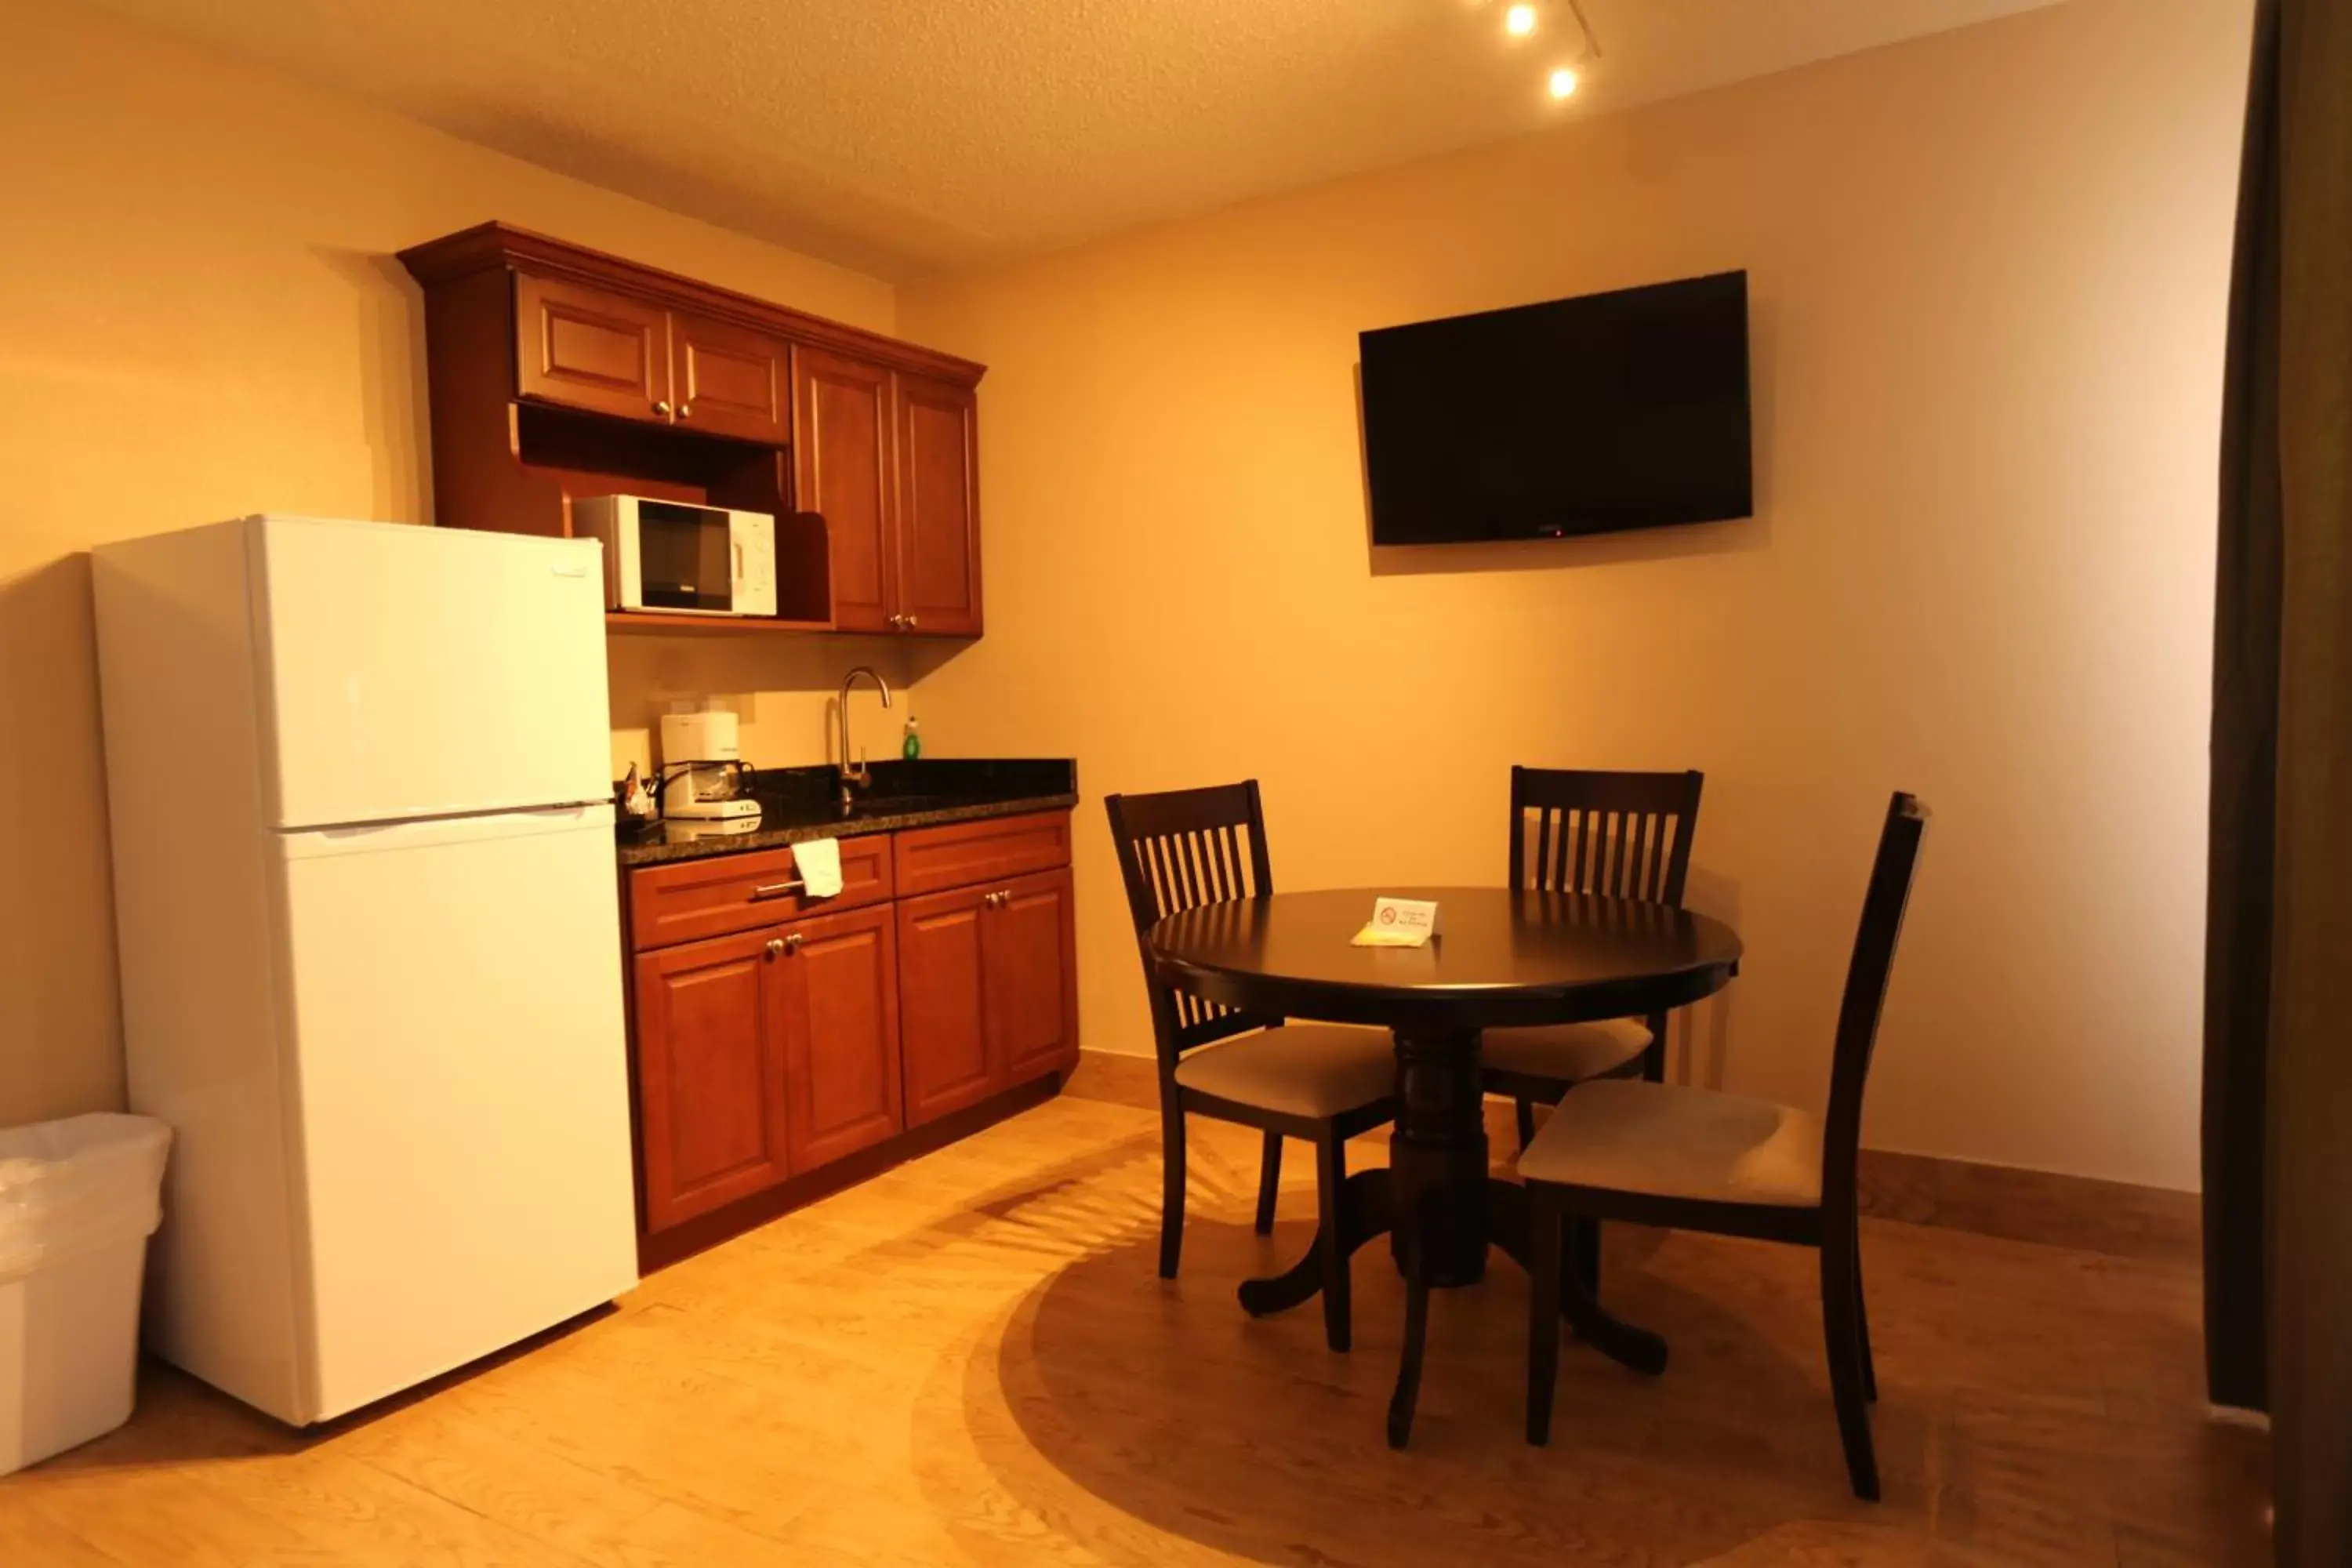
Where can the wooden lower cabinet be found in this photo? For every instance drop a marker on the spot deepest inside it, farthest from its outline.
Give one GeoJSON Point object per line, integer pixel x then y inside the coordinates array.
{"type": "Point", "coordinates": [841, 1034]}
{"type": "Point", "coordinates": [988, 990]}
{"type": "Point", "coordinates": [1029, 963]}
{"type": "Point", "coordinates": [712, 1105]}
{"type": "Point", "coordinates": [767, 1053]}
{"type": "Point", "coordinates": [764, 1055]}
{"type": "Point", "coordinates": [943, 1035]}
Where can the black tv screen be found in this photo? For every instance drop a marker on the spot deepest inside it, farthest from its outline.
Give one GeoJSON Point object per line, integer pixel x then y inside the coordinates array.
{"type": "Point", "coordinates": [1585, 415]}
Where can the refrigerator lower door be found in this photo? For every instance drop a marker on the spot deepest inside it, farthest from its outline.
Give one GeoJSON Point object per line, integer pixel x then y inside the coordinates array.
{"type": "Point", "coordinates": [413, 672]}
{"type": "Point", "coordinates": [463, 1144]}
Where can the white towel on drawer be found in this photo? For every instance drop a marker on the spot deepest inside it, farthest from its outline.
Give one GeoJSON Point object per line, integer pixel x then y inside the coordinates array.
{"type": "Point", "coordinates": [818, 862]}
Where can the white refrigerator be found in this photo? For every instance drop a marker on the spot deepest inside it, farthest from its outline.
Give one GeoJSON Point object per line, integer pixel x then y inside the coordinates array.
{"type": "Point", "coordinates": [359, 777]}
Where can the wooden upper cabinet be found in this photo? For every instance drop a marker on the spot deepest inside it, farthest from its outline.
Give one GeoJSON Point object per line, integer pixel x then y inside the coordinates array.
{"type": "Point", "coordinates": [938, 535]}
{"type": "Point", "coordinates": [585, 348]}
{"type": "Point", "coordinates": [841, 999]}
{"type": "Point", "coordinates": [714, 1119]}
{"type": "Point", "coordinates": [844, 472]}
{"type": "Point", "coordinates": [861, 445]}
{"type": "Point", "coordinates": [728, 380]}
{"type": "Point", "coordinates": [1029, 946]}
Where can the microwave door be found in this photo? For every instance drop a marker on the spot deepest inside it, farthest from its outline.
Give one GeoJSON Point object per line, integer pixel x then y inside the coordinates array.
{"type": "Point", "coordinates": [683, 559]}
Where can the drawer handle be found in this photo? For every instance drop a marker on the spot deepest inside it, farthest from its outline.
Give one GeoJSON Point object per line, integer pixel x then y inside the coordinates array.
{"type": "Point", "coordinates": [779, 890]}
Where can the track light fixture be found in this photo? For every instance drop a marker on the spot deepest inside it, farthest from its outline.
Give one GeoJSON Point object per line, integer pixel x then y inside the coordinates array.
{"type": "Point", "coordinates": [1520, 20]}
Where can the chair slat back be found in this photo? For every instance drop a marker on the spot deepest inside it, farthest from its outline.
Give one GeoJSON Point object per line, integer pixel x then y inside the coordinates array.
{"type": "Point", "coordinates": [1866, 995]}
{"type": "Point", "coordinates": [1179, 849]}
{"type": "Point", "coordinates": [1621, 833]}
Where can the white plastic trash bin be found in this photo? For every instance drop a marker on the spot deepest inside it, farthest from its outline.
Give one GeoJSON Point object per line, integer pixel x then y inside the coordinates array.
{"type": "Point", "coordinates": [79, 1199]}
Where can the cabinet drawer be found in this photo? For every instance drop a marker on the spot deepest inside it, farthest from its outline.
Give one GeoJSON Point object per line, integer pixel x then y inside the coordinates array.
{"type": "Point", "coordinates": [962, 853]}
{"type": "Point", "coordinates": [695, 898]}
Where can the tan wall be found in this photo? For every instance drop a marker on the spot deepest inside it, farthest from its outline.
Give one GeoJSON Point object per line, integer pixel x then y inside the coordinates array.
{"type": "Point", "coordinates": [1988, 271]}
{"type": "Point", "coordinates": [200, 317]}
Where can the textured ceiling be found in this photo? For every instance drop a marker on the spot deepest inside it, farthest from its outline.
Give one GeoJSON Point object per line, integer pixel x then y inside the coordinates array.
{"type": "Point", "coordinates": [915, 137]}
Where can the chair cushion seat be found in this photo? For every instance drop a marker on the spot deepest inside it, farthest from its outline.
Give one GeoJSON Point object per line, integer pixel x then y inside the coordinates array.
{"type": "Point", "coordinates": [1628, 1136]}
{"type": "Point", "coordinates": [1565, 1053]}
{"type": "Point", "coordinates": [1300, 1069]}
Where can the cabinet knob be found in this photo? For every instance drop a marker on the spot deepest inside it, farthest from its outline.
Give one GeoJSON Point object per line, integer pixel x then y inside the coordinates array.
{"type": "Point", "coordinates": [776, 947]}
{"type": "Point", "coordinates": [793, 941]}
{"type": "Point", "coordinates": [684, 409]}
{"type": "Point", "coordinates": [910, 623]}
{"type": "Point", "coordinates": [661, 407]}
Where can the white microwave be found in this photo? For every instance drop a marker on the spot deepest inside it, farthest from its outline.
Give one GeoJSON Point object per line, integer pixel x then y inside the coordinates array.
{"type": "Point", "coordinates": [680, 558]}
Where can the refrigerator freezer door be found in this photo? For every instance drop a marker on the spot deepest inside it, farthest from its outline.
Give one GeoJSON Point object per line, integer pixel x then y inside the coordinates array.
{"type": "Point", "coordinates": [413, 672]}
{"type": "Point", "coordinates": [455, 1010]}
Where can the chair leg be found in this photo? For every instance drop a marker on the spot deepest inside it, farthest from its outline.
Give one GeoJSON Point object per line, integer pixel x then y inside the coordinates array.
{"type": "Point", "coordinates": [1331, 1236]}
{"type": "Point", "coordinates": [1653, 1060]}
{"type": "Point", "coordinates": [1416, 1333]}
{"type": "Point", "coordinates": [1585, 1238]}
{"type": "Point", "coordinates": [1840, 1299]}
{"type": "Point", "coordinates": [1543, 1311]}
{"type": "Point", "coordinates": [1527, 1124]}
{"type": "Point", "coordinates": [1171, 1186]}
{"type": "Point", "coordinates": [1861, 1324]}
{"type": "Point", "coordinates": [1269, 1181]}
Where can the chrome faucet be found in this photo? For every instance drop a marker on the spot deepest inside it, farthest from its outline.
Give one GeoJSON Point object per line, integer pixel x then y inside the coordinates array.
{"type": "Point", "coordinates": [856, 776]}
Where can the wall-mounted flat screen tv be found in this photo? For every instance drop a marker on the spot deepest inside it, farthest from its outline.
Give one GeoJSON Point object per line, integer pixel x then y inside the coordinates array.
{"type": "Point", "coordinates": [1586, 416]}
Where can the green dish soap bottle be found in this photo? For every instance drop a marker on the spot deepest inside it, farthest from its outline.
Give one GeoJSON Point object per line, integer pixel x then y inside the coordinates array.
{"type": "Point", "coordinates": [913, 746]}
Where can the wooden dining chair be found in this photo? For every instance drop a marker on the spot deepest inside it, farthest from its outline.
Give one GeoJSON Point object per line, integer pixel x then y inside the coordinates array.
{"type": "Point", "coordinates": [1323, 1083]}
{"type": "Point", "coordinates": [1697, 1159]}
{"type": "Point", "coordinates": [1621, 833]}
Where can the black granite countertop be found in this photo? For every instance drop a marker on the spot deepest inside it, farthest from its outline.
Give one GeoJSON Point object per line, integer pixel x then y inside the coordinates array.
{"type": "Point", "coordinates": [797, 804]}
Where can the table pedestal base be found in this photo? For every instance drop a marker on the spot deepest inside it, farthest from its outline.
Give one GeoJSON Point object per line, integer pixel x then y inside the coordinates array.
{"type": "Point", "coordinates": [1440, 1209]}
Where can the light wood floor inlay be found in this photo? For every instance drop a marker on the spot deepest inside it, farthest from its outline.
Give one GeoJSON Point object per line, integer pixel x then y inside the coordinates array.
{"type": "Point", "coordinates": [971, 1361]}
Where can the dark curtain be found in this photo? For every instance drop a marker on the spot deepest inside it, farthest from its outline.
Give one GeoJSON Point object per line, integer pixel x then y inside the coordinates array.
{"type": "Point", "coordinates": [2278, 1054]}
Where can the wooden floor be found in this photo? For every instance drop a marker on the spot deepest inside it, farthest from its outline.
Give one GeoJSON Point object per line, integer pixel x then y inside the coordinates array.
{"type": "Point", "coordinates": [971, 1361]}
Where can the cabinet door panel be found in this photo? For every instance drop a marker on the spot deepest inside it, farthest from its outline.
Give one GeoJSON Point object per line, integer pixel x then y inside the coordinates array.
{"type": "Point", "coordinates": [1029, 955]}
{"type": "Point", "coordinates": [943, 1041]}
{"type": "Point", "coordinates": [938, 508]}
{"type": "Point", "coordinates": [710, 1074]}
{"type": "Point", "coordinates": [588, 349]}
{"type": "Point", "coordinates": [730, 380]}
{"type": "Point", "coordinates": [842, 982]}
{"type": "Point", "coordinates": [843, 470]}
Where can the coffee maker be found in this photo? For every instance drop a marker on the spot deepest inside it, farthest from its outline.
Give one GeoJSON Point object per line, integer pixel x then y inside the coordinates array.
{"type": "Point", "coordinates": [703, 774]}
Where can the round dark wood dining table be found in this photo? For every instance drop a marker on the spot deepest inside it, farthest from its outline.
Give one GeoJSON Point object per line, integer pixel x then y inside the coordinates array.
{"type": "Point", "coordinates": [1500, 957]}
